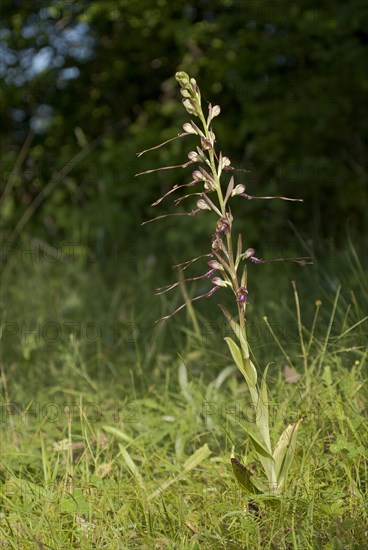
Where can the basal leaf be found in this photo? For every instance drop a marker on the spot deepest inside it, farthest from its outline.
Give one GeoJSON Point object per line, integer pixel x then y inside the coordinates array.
{"type": "Point", "coordinates": [284, 451]}
{"type": "Point", "coordinates": [262, 415]}
{"type": "Point", "coordinates": [244, 477]}
{"type": "Point", "coordinates": [259, 445]}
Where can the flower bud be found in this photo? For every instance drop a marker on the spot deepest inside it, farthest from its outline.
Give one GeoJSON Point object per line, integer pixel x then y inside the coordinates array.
{"type": "Point", "coordinates": [185, 93]}
{"type": "Point", "coordinates": [193, 156]}
{"type": "Point", "coordinates": [203, 205]}
{"type": "Point", "coordinates": [214, 264]}
{"type": "Point", "coordinates": [248, 253]}
{"type": "Point", "coordinates": [212, 112]}
{"type": "Point", "coordinates": [182, 78]}
{"type": "Point", "coordinates": [195, 89]}
{"type": "Point", "coordinates": [225, 162]}
{"type": "Point", "coordinates": [219, 282]}
{"type": "Point", "coordinates": [208, 184]}
{"type": "Point", "coordinates": [190, 106]}
{"type": "Point", "coordinates": [238, 189]}
{"type": "Point", "coordinates": [215, 111]}
{"type": "Point", "coordinates": [197, 175]}
{"type": "Point", "coordinates": [187, 127]}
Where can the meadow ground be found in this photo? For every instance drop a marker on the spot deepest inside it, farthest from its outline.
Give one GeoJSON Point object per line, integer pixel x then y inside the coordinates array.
{"type": "Point", "coordinates": [117, 433]}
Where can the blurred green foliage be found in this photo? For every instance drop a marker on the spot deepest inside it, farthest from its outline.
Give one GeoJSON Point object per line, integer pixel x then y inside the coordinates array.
{"type": "Point", "coordinates": [85, 85]}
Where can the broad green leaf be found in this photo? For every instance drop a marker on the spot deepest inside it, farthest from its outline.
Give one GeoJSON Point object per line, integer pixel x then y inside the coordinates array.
{"type": "Point", "coordinates": [262, 415]}
{"type": "Point", "coordinates": [251, 370]}
{"type": "Point", "coordinates": [284, 451]}
{"type": "Point", "coordinates": [234, 325]}
{"type": "Point", "coordinates": [244, 477]}
{"type": "Point", "coordinates": [264, 455]}
{"type": "Point", "coordinates": [237, 331]}
{"type": "Point", "coordinates": [259, 445]}
{"type": "Point", "coordinates": [245, 366]}
{"type": "Point", "coordinates": [235, 352]}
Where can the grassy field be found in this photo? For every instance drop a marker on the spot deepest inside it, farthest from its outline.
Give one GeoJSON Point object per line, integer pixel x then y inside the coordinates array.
{"type": "Point", "coordinates": [117, 433]}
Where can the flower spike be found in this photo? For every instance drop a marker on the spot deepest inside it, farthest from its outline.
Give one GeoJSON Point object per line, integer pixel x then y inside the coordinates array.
{"type": "Point", "coordinates": [229, 270]}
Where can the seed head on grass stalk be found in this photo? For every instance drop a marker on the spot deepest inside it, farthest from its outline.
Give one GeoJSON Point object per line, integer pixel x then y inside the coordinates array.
{"type": "Point", "coordinates": [214, 189]}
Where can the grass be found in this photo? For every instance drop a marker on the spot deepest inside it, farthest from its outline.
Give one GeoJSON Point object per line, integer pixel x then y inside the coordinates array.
{"type": "Point", "coordinates": [110, 439]}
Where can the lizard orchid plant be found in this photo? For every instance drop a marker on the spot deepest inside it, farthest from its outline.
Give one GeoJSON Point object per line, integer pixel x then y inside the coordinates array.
{"type": "Point", "coordinates": [214, 190]}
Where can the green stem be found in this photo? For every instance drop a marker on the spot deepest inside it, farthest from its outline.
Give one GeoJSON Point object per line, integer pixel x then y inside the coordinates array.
{"type": "Point", "coordinates": [223, 212]}
{"type": "Point", "coordinates": [268, 464]}
{"type": "Point", "coordinates": [212, 164]}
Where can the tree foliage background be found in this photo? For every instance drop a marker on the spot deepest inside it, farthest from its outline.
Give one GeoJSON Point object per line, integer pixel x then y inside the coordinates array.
{"type": "Point", "coordinates": [85, 85]}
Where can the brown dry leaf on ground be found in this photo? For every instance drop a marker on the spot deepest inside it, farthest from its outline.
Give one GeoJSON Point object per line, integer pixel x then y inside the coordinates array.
{"type": "Point", "coordinates": [291, 376]}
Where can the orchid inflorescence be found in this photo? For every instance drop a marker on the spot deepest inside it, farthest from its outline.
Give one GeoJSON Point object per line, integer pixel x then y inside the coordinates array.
{"type": "Point", "coordinates": [229, 270]}
{"type": "Point", "coordinates": [210, 167]}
